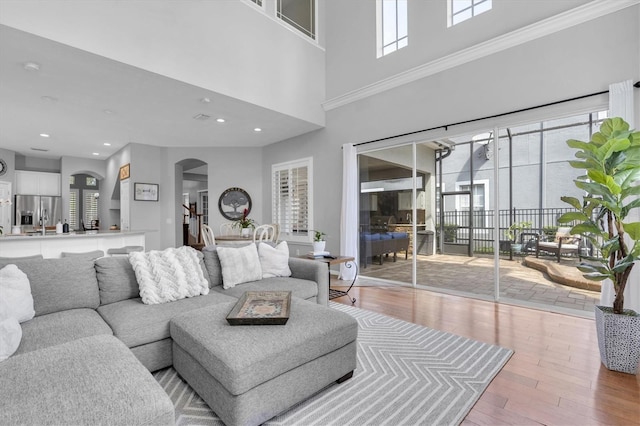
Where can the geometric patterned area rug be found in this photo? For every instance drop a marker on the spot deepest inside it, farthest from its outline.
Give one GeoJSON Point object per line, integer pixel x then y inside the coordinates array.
{"type": "Point", "coordinates": [406, 374]}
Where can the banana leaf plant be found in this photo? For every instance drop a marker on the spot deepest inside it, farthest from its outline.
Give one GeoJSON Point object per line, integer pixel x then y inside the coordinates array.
{"type": "Point", "coordinates": [611, 160]}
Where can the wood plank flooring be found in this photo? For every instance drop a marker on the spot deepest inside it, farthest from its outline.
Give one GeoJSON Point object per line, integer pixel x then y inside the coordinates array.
{"type": "Point", "coordinates": [554, 377]}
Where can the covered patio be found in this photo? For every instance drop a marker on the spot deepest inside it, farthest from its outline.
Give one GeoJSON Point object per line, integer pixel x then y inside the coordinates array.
{"type": "Point", "coordinates": [474, 276]}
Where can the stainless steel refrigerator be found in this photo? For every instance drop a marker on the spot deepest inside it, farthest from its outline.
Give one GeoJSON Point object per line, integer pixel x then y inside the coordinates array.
{"type": "Point", "coordinates": [30, 210]}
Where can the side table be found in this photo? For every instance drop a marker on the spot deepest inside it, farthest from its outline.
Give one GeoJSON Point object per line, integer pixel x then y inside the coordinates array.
{"type": "Point", "coordinates": [350, 262]}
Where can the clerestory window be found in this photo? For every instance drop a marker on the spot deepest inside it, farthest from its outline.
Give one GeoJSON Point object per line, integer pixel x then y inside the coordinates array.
{"type": "Point", "coordinates": [392, 26]}
{"type": "Point", "coordinates": [461, 10]}
{"type": "Point", "coordinates": [300, 14]}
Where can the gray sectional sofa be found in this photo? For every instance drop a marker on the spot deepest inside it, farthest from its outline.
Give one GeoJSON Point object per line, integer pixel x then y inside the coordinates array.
{"type": "Point", "coordinates": [86, 356]}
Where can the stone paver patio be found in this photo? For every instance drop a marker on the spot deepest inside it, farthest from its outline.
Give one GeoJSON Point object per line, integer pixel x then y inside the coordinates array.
{"type": "Point", "coordinates": [475, 275]}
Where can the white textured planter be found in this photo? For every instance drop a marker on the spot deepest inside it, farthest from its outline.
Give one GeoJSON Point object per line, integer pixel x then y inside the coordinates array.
{"type": "Point", "coordinates": [246, 232]}
{"type": "Point", "coordinates": [318, 246]}
{"type": "Point", "coordinates": [618, 339]}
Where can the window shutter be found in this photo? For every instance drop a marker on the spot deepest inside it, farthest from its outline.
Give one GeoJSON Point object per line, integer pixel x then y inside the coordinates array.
{"type": "Point", "coordinates": [291, 199]}
{"type": "Point", "coordinates": [73, 209]}
{"type": "Point", "coordinates": [90, 207]}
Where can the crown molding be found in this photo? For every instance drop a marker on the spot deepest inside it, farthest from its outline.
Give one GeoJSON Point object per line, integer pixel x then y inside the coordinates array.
{"type": "Point", "coordinates": [592, 10]}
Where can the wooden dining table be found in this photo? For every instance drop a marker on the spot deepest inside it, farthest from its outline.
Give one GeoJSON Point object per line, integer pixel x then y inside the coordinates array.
{"type": "Point", "coordinates": [231, 240]}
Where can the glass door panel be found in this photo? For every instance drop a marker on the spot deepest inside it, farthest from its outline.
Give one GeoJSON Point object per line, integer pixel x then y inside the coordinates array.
{"type": "Point", "coordinates": [386, 213]}
{"type": "Point", "coordinates": [535, 173]}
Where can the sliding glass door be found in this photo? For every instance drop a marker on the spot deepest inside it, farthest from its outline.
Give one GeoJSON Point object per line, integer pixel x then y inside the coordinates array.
{"type": "Point", "coordinates": [467, 214]}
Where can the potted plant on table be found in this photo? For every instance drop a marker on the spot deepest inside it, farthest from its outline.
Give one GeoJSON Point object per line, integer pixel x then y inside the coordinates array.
{"type": "Point", "coordinates": [245, 224]}
{"type": "Point", "coordinates": [319, 242]}
{"type": "Point", "coordinates": [611, 160]}
{"type": "Point", "coordinates": [512, 235]}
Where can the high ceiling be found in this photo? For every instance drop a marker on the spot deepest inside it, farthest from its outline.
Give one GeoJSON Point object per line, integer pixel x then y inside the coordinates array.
{"type": "Point", "coordinates": [84, 100]}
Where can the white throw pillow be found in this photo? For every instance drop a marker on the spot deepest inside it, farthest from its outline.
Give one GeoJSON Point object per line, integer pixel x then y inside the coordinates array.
{"type": "Point", "coordinates": [10, 331]}
{"type": "Point", "coordinates": [168, 275]}
{"type": "Point", "coordinates": [16, 291]}
{"type": "Point", "coordinates": [274, 260]}
{"type": "Point", "coordinates": [239, 265]}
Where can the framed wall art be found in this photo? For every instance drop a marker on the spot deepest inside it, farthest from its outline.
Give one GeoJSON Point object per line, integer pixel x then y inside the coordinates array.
{"type": "Point", "coordinates": [232, 203]}
{"type": "Point", "coordinates": [145, 191]}
{"type": "Point", "coordinates": [124, 171]}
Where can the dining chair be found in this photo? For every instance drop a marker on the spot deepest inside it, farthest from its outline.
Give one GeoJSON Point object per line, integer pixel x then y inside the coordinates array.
{"type": "Point", "coordinates": [207, 235]}
{"type": "Point", "coordinates": [227, 228]}
{"type": "Point", "coordinates": [264, 233]}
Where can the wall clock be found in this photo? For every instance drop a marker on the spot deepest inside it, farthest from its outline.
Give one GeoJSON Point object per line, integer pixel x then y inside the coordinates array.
{"type": "Point", "coordinates": [232, 203]}
{"type": "Point", "coordinates": [3, 167]}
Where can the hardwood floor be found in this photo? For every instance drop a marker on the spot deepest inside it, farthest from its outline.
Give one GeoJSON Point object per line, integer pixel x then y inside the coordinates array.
{"type": "Point", "coordinates": [554, 376]}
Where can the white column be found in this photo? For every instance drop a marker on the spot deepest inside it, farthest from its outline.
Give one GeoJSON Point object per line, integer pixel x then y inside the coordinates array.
{"type": "Point", "coordinates": [621, 104]}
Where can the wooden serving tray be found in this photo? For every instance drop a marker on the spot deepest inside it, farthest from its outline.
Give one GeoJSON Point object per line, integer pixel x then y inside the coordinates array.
{"type": "Point", "coordinates": [261, 308]}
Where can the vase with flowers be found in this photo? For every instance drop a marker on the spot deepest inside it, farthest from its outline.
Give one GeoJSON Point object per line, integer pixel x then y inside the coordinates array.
{"type": "Point", "coordinates": [245, 224]}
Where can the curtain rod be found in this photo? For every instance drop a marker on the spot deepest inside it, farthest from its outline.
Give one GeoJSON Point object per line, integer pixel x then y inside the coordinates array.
{"type": "Point", "coordinates": [446, 126]}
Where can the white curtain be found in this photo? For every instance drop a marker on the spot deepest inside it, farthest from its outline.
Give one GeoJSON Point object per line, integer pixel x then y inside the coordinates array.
{"type": "Point", "coordinates": [349, 215]}
{"type": "Point", "coordinates": [621, 105]}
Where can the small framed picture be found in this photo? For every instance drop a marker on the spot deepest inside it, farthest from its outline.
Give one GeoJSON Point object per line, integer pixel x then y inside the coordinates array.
{"type": "Point", "coordinates": [145, 191]}
{"type": "Point", "coordinates": [124, 172]}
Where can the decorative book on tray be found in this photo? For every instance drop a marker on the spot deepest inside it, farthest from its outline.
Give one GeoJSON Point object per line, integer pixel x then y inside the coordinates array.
{"type": "Point", "coordinates": [261, 308]}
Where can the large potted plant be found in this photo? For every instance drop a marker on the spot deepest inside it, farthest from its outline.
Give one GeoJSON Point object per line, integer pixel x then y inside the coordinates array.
{"type": "Point", "coordinates": [611, 160]}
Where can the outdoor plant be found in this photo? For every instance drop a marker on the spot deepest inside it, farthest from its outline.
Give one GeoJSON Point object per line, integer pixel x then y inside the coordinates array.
{"type": "Point", "coordinates": [611, 160]}
{"type": "Point", "coordinates": [549, 231]}
{"type": "Point", "coordinates": [244, 221]}
{"type": "Point", "coordinates": [515, 228]}
{"type": "Point", "coordinates": [450, 232]}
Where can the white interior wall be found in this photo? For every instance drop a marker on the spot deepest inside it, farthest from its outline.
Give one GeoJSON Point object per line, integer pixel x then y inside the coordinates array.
{"type": "Point", "coordinates": [229, 47]}
{"type": "Point", "coordinates": [573, 62]}
{"type": "Point", "coordinates": [351, 41]}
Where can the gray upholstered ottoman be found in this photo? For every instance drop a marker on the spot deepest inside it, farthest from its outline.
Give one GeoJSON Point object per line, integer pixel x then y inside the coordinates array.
{"type": "Point", "coordinates": [248, 374]}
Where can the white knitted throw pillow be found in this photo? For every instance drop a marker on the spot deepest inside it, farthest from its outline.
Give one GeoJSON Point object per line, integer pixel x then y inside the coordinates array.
{"type": "Point", "coordinates": [168, 275]}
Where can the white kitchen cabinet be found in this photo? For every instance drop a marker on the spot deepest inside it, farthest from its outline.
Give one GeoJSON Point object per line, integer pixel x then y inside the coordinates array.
{"type": "Point", "coordinates": [404, 201]}
{"type": "Point", "coordinates": [37, 183]}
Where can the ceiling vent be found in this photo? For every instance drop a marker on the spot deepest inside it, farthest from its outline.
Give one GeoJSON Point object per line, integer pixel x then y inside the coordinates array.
{"type": "Point", "coordinates": [201, 117]}
{"type": "Point", "coordinates": [40, 149]}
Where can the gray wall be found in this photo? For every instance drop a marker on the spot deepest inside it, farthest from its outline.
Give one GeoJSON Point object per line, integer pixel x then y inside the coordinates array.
{"type": "Point", "coordinates": [562, 65]}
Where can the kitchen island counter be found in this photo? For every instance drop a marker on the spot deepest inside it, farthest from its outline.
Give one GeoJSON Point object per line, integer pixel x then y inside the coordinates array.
{"type": "Point", "coordinates": [53, 245]}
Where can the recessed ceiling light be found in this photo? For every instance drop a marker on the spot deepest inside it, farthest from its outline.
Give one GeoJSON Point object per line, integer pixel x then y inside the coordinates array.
{"type": "Point", "coordinates": [106, 144]}
{"type": "Point", "coordinates": [108, 111]}
{"type": "Point", "coordinates": [205, 100]}
{"type": "Point", "coordinates": [45, 135]}
{"type": "Point", "coordinates": [49, 98]}
{"type": "Point", "coordinates": [96, 153]}
{"type": "Point", "coordinates": [220, 120]}
{"type": "Point", "coordinates": [257, 129]}
{"type": "Point", "coordinates": [31, 66]}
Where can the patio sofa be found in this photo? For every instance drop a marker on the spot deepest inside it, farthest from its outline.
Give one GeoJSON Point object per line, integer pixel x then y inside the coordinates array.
{"type": "Point", "coordinates": [86, 355]}
{"type": "Point", "coordinates": [382, 244]}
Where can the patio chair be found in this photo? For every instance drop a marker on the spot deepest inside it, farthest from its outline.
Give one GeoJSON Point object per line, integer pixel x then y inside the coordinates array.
{"type": "Point", "coordinates": [563, 243]}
